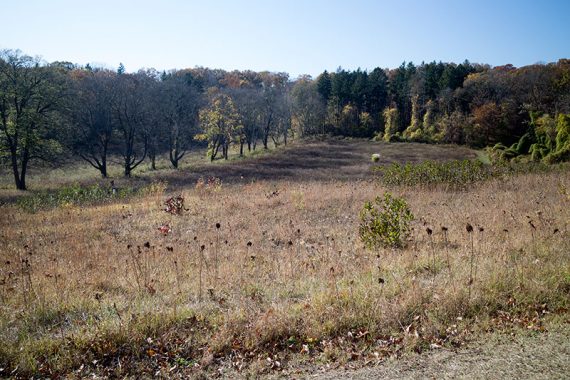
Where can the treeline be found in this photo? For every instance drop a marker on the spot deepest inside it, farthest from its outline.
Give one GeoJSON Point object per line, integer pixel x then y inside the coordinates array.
{"type": "Point", "coordinates": [441, 102]}
{"type": "Point", "coordinates": [51, 109]}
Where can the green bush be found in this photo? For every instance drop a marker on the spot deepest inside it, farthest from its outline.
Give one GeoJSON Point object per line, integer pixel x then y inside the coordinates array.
{"type": "Point", "coordinates": [459, 175]}
{"type": "Point", "coordinates": [548, 140]}
{"type": "Point", "coordinates": [77, 194]}
{"type": "Point", "coordinates": [456, 174]}
{"type": "Point", "coordinates": [385, 222]}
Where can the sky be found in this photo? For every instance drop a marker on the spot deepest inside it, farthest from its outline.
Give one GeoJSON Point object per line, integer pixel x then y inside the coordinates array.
{"type": "Point", "coordinates": [295, 36]}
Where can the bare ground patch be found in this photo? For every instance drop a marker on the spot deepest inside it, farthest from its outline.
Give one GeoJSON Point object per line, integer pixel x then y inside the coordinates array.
{"type": "Point", "coordinates": [525, 356]}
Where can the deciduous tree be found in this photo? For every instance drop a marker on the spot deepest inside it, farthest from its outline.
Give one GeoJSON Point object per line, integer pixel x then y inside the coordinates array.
{"type": "Point", "coordinates": [31, 93]}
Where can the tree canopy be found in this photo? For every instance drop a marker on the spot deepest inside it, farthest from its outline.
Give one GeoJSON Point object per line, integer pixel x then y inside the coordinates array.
{"type": "Point", "coordinates": [49, 110]}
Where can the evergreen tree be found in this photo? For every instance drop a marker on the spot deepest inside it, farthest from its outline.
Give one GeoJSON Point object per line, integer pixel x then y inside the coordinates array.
{"type": "Point", "coordinates": [324, 86]}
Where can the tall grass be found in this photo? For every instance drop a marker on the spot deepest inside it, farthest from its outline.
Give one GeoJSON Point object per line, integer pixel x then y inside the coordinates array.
{"type": "Point", "coordinates": [99, 290]}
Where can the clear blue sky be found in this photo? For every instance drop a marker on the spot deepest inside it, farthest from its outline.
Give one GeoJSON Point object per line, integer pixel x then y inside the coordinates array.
{"type": "Point", "coordinates": [295, 36]}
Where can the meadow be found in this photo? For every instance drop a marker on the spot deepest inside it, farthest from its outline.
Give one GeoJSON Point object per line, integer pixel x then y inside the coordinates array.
{"type": "Point", "coordinates": [255, 266]}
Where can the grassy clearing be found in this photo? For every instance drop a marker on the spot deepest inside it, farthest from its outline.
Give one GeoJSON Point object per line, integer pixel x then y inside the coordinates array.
{"type": "Point", "coordinates": [123, 288]}
{"type": "Point", "coordinates": [102, 290]}
{"type": "Point", "coordinates": [317, 159]}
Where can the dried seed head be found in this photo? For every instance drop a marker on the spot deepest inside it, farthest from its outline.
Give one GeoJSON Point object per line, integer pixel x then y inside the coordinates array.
{"type": "Point", "coordinates": [481, 229]}
{"type": "Point", "coordinates": [469, 228]}
{"type": "Point", "coordinates": [218, 225]}
{"type": "Point", "coordinates": [249, 243]}
{"type": "Point", "coordinates": [429, 231]}
{"type": "Point", "coordinates": [202, 247]}
{"type": "Point", "coordinates": [444, 229]}
{"type": "Point", "coordinates": [381, 280]}
{"type": "Point", "coordinates": [147, 244]}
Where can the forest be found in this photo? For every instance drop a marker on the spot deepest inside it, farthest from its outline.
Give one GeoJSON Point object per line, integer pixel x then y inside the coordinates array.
{"type": "Point", "coordinates": [57, 110]}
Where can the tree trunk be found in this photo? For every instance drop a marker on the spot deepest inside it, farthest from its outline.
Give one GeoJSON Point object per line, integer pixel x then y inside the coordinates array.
{"type": "Point", "coordinates": [19, 173]}
{"type": "Point", "coordinates": [265, 138]}
{"type": "Point", "coordinates": [21, 183]}
{"type": "Point", "coordinates": [103, 168]}
{"type": "Point", "coordinates": [173, 155]}
{"type": "Point", "coordinates": [15, 170]}
{"type": "Point", "coordinates": [241, 148]}
{"type": "Point", "coordinates": [215, 151]}
{"type": "Point", "coordinates": [24, 169]}
{"type": "Point", "coordinates": [127, 170]}
{"type": "Point", "coordinates": [267, 130]}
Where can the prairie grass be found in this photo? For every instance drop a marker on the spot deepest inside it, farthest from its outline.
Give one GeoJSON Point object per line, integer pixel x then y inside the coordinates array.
{"type": "Point", "coordinates": [100, 289]}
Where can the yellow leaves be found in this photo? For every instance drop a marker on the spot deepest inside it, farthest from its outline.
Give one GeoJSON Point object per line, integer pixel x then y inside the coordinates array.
{"type": "Point", "coordinates": [200, 137]}
{"type": "Point", "coordinates": [220, 117]}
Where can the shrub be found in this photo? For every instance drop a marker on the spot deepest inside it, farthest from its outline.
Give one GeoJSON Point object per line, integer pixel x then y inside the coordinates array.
{"type": "Point", "coordinates": [375, 157]}
{"type": "Point", "coordinates": [208, 185]}
{"type": "Point", "coordinates": [77, 194]}
{"type": "Point", "coordinates": [174, 205]}
{"type": "Point", "coordinates": [385, 222]}
{"type": "Point", "coordinates": [66, 196]}
{"type": "Point", "coordinates": [456, 174]}
{"type": "Point", "coordinates": [548, 140]}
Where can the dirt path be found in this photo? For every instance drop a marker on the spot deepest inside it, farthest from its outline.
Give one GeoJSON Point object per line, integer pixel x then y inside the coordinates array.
{"type": "Point", "coordinates": [543, 356]}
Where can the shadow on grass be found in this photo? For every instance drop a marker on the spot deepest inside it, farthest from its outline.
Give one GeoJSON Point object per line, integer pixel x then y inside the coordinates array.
{"type": "Point", "coordinates": [328, 160]}
{"type": "Point", "coordinates": [308, 160]}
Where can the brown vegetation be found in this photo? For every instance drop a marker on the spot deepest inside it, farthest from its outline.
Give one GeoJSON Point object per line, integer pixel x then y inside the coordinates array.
{"type": "Point", "coordinates": [249, 275]}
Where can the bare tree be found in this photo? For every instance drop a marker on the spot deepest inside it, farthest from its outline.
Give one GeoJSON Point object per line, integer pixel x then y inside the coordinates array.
{"type": "Point", "coordinates": [179, 102]}
{"type": "Point", "coordinates": [274, 86]}
{"type": "Point", "coordinates": [249, 102]}
{"type": "Point", "coordinates": [91, 116]}
{"type": "Point", "coordinates": [131, 111]}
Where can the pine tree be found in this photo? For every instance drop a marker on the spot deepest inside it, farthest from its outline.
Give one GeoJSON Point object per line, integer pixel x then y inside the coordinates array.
{"type": "Point", "coordinates": [324, 86]}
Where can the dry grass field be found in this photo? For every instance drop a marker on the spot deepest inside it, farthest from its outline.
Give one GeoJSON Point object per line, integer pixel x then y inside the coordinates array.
{"type": "Point", "coordinates": [267, 271]}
